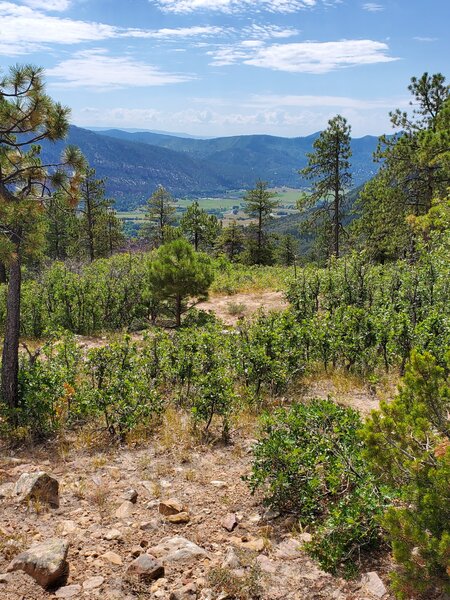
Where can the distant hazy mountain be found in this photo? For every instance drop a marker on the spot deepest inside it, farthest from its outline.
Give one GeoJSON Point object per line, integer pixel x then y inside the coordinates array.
{"type": "Point", "coordinates": [134, 163]}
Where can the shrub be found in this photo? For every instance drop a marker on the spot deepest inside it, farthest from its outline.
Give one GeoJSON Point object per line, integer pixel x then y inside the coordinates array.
{"type": "Point", "coordinates": [120, 387]}
{"type": "Point", "coordinates": [408, 446]}
{"type": "Point", "coordinates": [309, 462]}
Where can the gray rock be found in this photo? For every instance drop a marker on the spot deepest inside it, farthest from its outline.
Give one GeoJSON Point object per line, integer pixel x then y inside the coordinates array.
{"type": "Point", "coordinates": [93, 583]}
{"type": "Point", "coordinates": [288, 549]}
{"type": "Point", "coordinates": [231, 560]}
{"type": "Point", "coordinates": [177, 549]}
{"type": "Point", "coordinates": [68, 591]}
{"type": "Point", "coordinates": [372, 583]}
{"type": "Point", "coordinates": [146, 567]}
{"type": "Point", "coordinates": [112, 534]}
{"type": "Point", "coordinates": [130, 495]}
{"type": "Point", "coordinates": [45, 562]}
{"type": "Point", "coordinates": [187, 592]}
{"type": "Point", "coordinates": [125, 510]}
{"type": "Point", "coordinates": [39, 487]}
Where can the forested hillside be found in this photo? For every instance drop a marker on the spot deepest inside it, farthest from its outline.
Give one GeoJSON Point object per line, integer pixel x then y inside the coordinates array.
{"type": "Point", "coordinates": [136, 163]}
{"type": "Point", "coordinates": [230, 414]}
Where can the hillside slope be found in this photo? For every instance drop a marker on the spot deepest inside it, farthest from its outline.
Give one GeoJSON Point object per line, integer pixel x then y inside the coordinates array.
{"type": "Point", "coordinates": [136, 163]}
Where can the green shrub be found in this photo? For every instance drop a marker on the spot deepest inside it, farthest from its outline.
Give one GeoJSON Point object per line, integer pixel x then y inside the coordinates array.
{"type": "Point", "coordinates": [120, 387]}
{"type": "Point", "coordinates": [309, 462]}
{"type": "Point", "coordinates": [46, 385]}
{"type": "Point", "coordinates": [408, 447]}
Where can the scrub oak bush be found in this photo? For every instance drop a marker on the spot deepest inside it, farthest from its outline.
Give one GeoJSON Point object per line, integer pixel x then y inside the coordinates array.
{"type": "Point", "coordinates": [309, 462]}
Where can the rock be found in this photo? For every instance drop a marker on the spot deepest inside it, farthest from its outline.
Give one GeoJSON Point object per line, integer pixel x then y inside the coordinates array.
{"type": "Point", "coordinates": [254, 545]}
{"type": "Point", "coordinates": [265, 564]}
{"type": "Point", "coordinates": [219, 484]}
{"type": "Point", "coordinates": [372, 583]}
{"type": "Point", "coordinates": [170, 507]}
{"type": "Point", "coordinates": [4, 577]}
{"type": "Point", "coordinates": [136, 551]}
{"type": "Point", "coordinates": [112, 557]}
{"type": "Point", "coordinates": [130, 495]}
{"type": "Point", "coordinates": [271, 514]}
{"type": "Point", "coordinates": [231, 560]}
{"type": "Point", "coordinates": [39, 487]}
{"type": "Point", "coordinates": [45, 562]}
{"type": "Point", "coordinates": [185, 593]}
{"type": "Point", "coordinates": [305, 537]}
{"type": "Point", "coordinates": [182, 517]}
{"type": "Point", "coordinates": [112, 534]}
{"type": "Point", "coordinates": [145, 525]}
{"type": "Point", "coordinates": [177, 549]}
{"type": "Point", "coordinates": [229, 522]}
{"type": "Point", "coordinates": [93, 583]}
{"type": "Point", "coordinates": [125, 510]}
{"type": "Point", "coordinates": [68, 591]}
{"type": "Point", "coordinates": [68, 527]}
{"type": "Point", "coordinates": [6, 490]}
{"type": "Point", "coordinates": [146, 567]}
{"type": "Point", "coordinates": [288, 549]}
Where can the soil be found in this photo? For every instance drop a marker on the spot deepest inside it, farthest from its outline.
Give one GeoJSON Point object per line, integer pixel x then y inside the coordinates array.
{"type": "Point", "coordinates": [229, 308]}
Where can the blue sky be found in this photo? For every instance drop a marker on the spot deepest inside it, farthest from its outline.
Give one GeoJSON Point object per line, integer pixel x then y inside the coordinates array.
{"type": "Point", "coordinates": [227, 67]}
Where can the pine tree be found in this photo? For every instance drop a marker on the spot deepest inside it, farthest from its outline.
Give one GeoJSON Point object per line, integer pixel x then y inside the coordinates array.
{"type": "Point", "coordinates": [231, 241]}
{"type": "Point", "coordinates": [159, 217]}
{"type": "Point", "coordinates": [329, 169]}
{"type": "Point", "coordinates": [200, 228]}
{"type": "Point", "coordinates": [259, 205]}
{"type": "Point", "coordinates": [27, 116]}
{"type": "Point", "coordinates": [100, 232]}
{"type": "Point", "coordinates": [415, 170]}
{"type": "Point", "coordinates": [287, 250]}
{"type": "Point", "coordinates": [178, 273]}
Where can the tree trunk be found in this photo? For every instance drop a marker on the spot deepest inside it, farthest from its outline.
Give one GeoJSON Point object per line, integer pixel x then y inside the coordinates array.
{"type": "Point", "coordinates": [178, 311]}
{"type": "Point", "coordinates": [90, 222]}
{"type": "Point", "coordinates": [3, 277]}
{"type": "Point", "coordinates": [10, 358]}
{"type": "Point", "coordinates": [336, 200]}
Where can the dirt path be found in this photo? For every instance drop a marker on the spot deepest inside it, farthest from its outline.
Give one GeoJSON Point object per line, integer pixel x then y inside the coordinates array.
{"type": "Point", "coordinates": [230, 308]}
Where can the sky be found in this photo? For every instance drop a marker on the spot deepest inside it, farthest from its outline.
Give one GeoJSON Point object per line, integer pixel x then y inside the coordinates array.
{"type": "Point", "coordinates": [228, 67]}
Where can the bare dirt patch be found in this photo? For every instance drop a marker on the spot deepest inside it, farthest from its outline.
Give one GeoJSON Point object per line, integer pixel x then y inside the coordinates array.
{"type": "Point", "coordinates": [229, 308]}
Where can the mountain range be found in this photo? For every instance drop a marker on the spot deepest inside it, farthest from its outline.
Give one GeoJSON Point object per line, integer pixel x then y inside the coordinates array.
{"type": "Point", "coordinates": [135, 163]}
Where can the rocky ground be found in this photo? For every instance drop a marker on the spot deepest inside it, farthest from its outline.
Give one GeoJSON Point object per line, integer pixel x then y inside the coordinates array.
{"type": "Point", "coordinates": [184, 505]}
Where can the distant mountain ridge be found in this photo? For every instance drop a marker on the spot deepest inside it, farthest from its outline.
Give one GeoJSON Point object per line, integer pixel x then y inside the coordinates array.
{"type": "Point", "coordinates": [134, 163]}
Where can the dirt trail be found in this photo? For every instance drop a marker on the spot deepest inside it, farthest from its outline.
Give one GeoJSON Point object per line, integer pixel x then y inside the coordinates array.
{"type": "Point", "coordinates": [243, 304]}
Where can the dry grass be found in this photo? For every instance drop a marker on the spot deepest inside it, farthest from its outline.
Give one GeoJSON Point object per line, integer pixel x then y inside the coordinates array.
{"type": "Point", "coordinates": [230, 585]}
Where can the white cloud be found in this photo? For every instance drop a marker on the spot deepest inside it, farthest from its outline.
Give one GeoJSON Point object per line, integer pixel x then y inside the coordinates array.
{"type": "Point", "coordinates": [24, 30]}
{"type": "Point", "coordinates": [96, 69]}
{"type": "Point", "coordinates": [233, 6]}
{"type": "Point", "coordinates": [49, 5]}
{"type": "Point", "coordinates": [269, 31]}
{"type": "Point", "coordinates": [273, 100]}
{"type": "Point", "coordinates": [305, 57]}
{"type": "Point", "coordinates": [224, 119]}
{"type": "Point", "coordinates": [183, 32]}
{"type": "Point", "coordinates": [420, 38]}
{"type": "Point", "coordinates": [373, 7]}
